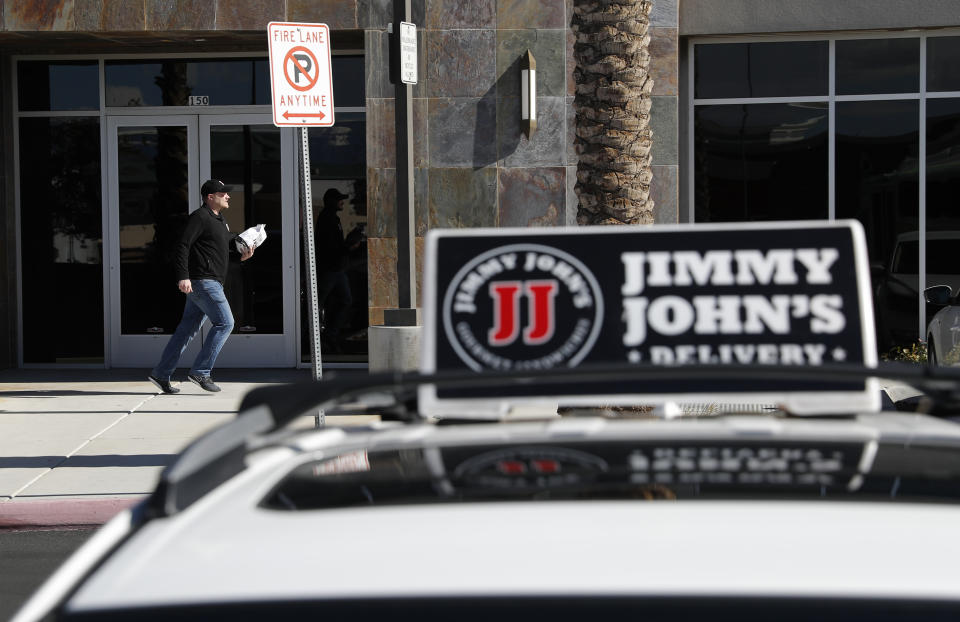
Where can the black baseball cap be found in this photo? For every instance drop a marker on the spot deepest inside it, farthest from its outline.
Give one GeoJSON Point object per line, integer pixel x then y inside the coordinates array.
{"type": "Point", "coordinates": [333, 195]}
{"type": "Point", "coordinates": [213, 186]}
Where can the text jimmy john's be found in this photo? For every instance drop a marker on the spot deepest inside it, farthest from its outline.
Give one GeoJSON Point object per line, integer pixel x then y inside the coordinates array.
{"type": "Point", "coordinates": [806, 272]}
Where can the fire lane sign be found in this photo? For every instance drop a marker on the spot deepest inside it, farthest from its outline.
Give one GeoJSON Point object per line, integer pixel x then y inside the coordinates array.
{"type": "Point", "coordinates": [301, 75]}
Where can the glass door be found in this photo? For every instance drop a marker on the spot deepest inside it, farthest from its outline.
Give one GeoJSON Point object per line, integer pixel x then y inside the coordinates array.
{"type": "Point", "coordinates": [246, 151]}
{"type": "Point", "coordinates": [156, 165]}
{"type": "Point", "coordinates": [151, 187]}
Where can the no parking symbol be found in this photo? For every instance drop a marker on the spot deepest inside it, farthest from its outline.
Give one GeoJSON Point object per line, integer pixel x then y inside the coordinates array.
{"type": "Point", "coordinates": [301, 79]}
{"type": "Point", "coordinates": [300, 61]}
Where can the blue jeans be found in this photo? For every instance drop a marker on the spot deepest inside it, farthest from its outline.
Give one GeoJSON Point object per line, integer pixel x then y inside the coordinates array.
{"type": "Point", "coordinates": [205, 301]}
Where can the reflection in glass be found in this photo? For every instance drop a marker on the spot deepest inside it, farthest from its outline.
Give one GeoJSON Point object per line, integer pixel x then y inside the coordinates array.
{"type": "Point", "coordinates": [247, 158]}
{"type": "Point", "coordinates": [153, 196]}
{"type": "Point", "coordinates": [761, 162]}
{"type": "Point", "coordinates": [340, 151]}
{"type": "Point", "coordinates": [877, 183]}
{"type": "Point", "coordinates": [349, 88]}
{"type": "Point", "coordinates": [338, 160]}
{"type": "Point", "coordinates": [943, 166]}
{"type": "Point", "coordinates": [780, 69]}
{"type": "Point", "coordinates": [61, 240]}
{"type": "Point", "coordinates": [943, 58]}
{"type": "Point", "coordinates": [58, 85]}
{"type": "Point", "coordinates": [943, 194]}
{"type": "Point", "coordinates": [867, 66]}
{"type": "Point", "coordinates": [227, 82]}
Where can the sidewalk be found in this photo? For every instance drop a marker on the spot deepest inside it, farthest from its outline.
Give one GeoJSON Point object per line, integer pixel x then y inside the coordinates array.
{"type": "Point", "coordinates": [78, 446]}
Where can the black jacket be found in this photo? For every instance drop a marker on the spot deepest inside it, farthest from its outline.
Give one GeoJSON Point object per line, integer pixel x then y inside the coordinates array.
{"type": "Point", "coordinates": [329, 246]}
{"type": "Point", "coordinates": [205, 247]}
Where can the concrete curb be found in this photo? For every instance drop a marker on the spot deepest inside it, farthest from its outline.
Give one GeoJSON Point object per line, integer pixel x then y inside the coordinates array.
{"type": "Point", "coordinates": [62, 512]}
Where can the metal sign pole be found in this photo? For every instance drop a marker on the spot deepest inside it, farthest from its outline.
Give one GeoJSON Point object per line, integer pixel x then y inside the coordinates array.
{"type": "Point", "coordinates": [403, 65]}
{"type": "Point", "coordinates": [306, 199]}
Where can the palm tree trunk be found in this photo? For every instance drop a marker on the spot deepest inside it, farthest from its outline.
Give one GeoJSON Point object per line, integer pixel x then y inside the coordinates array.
{"type": "Point", "coordinates": [612, 103]}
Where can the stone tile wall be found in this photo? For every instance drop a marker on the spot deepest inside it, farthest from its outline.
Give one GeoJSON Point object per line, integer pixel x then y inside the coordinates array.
{"type": "Point", "coordinates": [664, 31]}
{"type": "Point", "coordinates": [180, 15]}
{"type": "Point", "coordinates": [474, 167]}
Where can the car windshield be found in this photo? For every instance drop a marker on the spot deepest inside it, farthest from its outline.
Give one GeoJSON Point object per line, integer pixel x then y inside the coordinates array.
{"type": "Point", "coordinates": [559, 608]}
{"type": "Point", "coordinates": [941, 257]}
{"type": "Point", "coordinates": [641, 469]}
{"type": "Point", "coordinates": [906, 260]}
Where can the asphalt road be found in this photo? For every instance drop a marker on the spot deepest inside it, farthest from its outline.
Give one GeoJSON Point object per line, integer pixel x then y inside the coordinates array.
{"type": "Point", "coordinates": [28, 557]}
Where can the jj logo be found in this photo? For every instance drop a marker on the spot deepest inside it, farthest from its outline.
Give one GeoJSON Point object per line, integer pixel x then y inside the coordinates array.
{"type": "Point", "coordinates": [541, 322]}
{"type": "Point", "coordinates": [522, 306]}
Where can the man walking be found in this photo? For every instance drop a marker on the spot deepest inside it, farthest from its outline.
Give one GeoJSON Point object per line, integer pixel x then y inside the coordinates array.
{"type": "Point", "coordinates": [201, 259]}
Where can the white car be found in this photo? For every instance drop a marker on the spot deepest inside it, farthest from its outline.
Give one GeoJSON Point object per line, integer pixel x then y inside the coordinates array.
{"type": "Point", "coordinates": [637, 423]}
{"type": "Point", "coordinates": [943, 330]}
{"type": "Point", "coordinates": [897, 283]}
{"type": "Point", "coordinates": [764, 515]}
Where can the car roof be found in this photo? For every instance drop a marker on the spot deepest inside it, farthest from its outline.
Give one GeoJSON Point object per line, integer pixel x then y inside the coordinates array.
{"type": "Point", "coordinates": [598, 548]}
{"type": "Point", "coordinates": [227, 547]}
{"type": "Point", "coordinates": [931, 235]}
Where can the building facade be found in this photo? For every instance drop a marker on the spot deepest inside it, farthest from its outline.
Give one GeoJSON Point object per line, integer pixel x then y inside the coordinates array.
{"type": "Point", "coordinates": [114, 111]}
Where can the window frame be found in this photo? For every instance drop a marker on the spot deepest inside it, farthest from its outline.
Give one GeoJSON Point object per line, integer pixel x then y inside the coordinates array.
{"type": "Point", "coordinates": [831, 99]}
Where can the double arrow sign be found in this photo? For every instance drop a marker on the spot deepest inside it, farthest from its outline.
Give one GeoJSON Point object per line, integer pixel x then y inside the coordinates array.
{"type": "Point", "coordinates": [319, 115]}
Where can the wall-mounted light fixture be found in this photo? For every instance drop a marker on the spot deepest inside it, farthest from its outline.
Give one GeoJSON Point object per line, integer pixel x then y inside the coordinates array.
{"type": "Point", "coordinates": [528, 94]}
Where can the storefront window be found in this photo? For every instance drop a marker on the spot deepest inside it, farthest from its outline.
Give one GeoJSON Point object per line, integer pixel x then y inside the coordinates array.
{"type": "Point", "coordinates": [248, 158]}
{"type": "Point", "coordinates": [727, 70]}
{"type": "Point", "coordinates": [943, 58]}
{"type": "Point", "coordinates": [348, 82]}
{"type": "Point", "coordinates": [221, 82]}
{"type": "Point", "coordinates": [943, 190]}
{"type": "Point", "coordinates": [61, 240]}
{"type": "Point", "coordinates": [172, 82]}
{"type": "Point", "coordinates": [756, 160]}
{"type": "Point", "coordinates": [761, 162]}
{"type": "Point", "coordinates": [60, 108]}
{"type": "Point", "coordinates": [877, 183]}
{"type": "Point", "coordinates": [338, 161]}
{"type": "Point", "coordinates": [867, 66]}
{"type": "Point", "coordinates": [58, 85]}
{"type": "Point", "coordinates": [152, 193]}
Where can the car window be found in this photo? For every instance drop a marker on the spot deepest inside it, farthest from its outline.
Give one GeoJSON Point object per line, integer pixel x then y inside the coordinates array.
{"type": "Point", "coordinates": [555, 608]}
{"type": "Point", "coordinates": [906, 258]}
{"type": "Point", "coordinates": [617, 470]}
{"type": "Point", "coordinates": [942, 257]}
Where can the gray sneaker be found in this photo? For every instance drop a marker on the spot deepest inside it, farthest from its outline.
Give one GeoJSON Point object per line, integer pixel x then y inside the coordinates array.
{"type": "Point", "coordinates": [163, 385]}
{"type": "Point", "coordinates": [204, 382]}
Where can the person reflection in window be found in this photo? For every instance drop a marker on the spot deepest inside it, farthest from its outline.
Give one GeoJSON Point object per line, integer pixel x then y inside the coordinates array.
{"type": "Point", "coordinates": [333, 286]}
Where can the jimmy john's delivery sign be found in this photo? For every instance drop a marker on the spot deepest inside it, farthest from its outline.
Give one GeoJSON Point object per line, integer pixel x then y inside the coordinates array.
{"type": "Point", "coordinates": [783, 294]}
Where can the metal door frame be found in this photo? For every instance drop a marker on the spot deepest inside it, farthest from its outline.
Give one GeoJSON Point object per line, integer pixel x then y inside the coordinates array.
{"type": "Point", "coordinates": [136, 350]}
{"type": "Point", "coordinates": [241, 350]}
{"type": "Point", "coordinates": [253, 350]}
